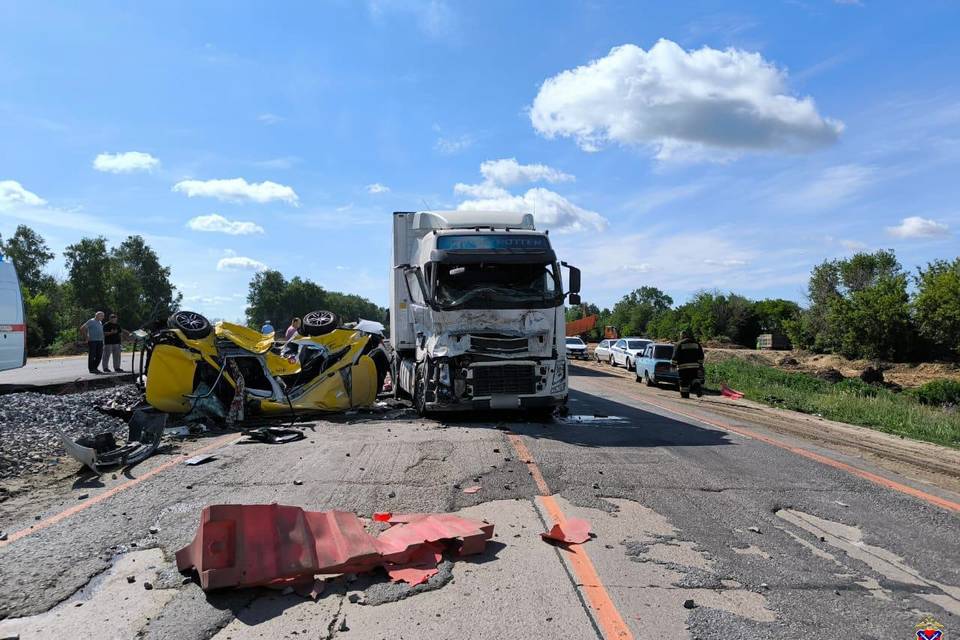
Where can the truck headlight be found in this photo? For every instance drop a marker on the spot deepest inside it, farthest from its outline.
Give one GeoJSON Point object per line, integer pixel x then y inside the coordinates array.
{"type": "Point", "coordinates": [559, 377]}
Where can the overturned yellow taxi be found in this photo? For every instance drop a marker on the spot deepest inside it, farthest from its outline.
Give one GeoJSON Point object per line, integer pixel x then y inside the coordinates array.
{"type": "Point", "coordinates": [228, 370]}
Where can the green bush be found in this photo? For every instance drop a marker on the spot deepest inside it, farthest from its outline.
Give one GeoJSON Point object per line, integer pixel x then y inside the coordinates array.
{"type": "Point", "coordinates": [937, 393]}
{"type": "Point", "coordinates": [65, 344]}
{"type": "Point", "coordinates": [850, 401]}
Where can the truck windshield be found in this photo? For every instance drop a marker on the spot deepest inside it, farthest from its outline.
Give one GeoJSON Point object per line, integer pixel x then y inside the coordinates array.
{"type": "Point", "coordinates": [493, 285]}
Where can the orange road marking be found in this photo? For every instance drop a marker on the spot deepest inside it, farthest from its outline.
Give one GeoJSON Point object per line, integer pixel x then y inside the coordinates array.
{"type": "Point", "coordinates": [943, 503]}
{"type": "Point", "coordinates": [604, 611]}
{"type": "Point", "coordinates": [66, 513]}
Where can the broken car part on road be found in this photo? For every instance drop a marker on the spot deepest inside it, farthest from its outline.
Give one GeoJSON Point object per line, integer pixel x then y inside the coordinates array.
{"type": "Point", "coordinates": [101, 450]}
{"type": "Point", "coordinates": [271, 545]}
{"type": "Point", "coordinates": [228, 371]}
{"type": "Point", "coordinates": [570, 531]}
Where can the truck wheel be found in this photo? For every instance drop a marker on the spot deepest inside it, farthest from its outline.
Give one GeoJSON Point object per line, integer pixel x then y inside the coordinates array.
{"type": "Point", "coordinates": [646, 378]}
{"type": "Point", "coordinates": [193, 325]}
{"type": "Point", "coordinates": [636, 373]}
{"type": "Point", "coordinates": [320, 323]}
{"type": "Point", "coordinates": [420, 393]}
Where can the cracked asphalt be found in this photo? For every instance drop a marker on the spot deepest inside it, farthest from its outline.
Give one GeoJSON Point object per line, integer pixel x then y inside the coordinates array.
{"type": "Point", "coordinates": [700, 532]}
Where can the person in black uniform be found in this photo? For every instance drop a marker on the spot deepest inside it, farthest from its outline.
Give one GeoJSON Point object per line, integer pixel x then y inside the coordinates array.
{"type": "Point", "coordinates": [688, 358]}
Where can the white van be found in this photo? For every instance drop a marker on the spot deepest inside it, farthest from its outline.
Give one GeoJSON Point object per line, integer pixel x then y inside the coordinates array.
{"type": "Point", "coordinates": [13, 328]}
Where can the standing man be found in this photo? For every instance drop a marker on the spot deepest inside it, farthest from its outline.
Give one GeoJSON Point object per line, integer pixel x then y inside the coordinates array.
{"type": "Point", "coordinates": [92, 332]}
{"type": "Point", "coordinates": [293, 329]}
{"type": "Point", "coordinates": [112, 334]}
{"type": "Point", "coordinates": [688, 358]}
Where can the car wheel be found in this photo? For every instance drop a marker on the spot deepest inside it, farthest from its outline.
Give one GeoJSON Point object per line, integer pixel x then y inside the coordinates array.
{"type": "Point", "coordinates": [193, 325]}
{"type": "Point", "coordinates": [646, 378]}
{"type": "Point", "coordinates": [629, 365]}
{"type": "Point", "coordinates": [613, 361]}
{"type": "Point", "coordinates": [320, 323]}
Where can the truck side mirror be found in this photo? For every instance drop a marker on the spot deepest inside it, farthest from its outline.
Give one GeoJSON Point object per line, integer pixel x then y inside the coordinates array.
{"type": "Point", "coordinates": [574, 280]}
{"type": "Point", "coordinates": [574, 298]}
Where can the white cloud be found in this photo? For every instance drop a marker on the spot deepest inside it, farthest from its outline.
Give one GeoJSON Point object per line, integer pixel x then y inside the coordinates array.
{"type": "Point", "coordinates": [269, 118]}
{"type": "Point", "coordinates": [549, 209]}
{"type": "Point", "coordinates": [836, 184]}
{"type": "Point", "coordinates": [126, 162]}
{"type": "Point", "coordinates": [507, 171]}
{"type": "Point", "coordinates": [345, 207]}
{"type": "Point", "coordinates": [376, 187]}
{"type": "Point", "coordinates": [728, 262]}
{"type": "Point", "coordinates": [218, 224]}
{"type": "Point", "coordinates": [482, 190]}
{"type": "Point", "coordinates": [669, 98]}
{"type": "Point", "coordinates": [853, 245]}
{"type": "Point", "coordinates": [917, 227]}
{"type": "Point", "coordinates": [240, 263]}
{"type": "Point", "coordinates": [450, 146]}
{"type": "Point", "coordinates": [237, 189]}
{"type": "Point", "coordinates": [12, 193]}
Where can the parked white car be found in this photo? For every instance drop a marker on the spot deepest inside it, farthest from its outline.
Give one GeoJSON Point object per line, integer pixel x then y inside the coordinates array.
{"type": "Point", "coordinates": [602, 352]}
{"type": "Point", "coordinates": [576, 348]}
{"type": "Point", "coordinates": [13, 328]}
{"type": "Point", "coordinates": [625, 351]}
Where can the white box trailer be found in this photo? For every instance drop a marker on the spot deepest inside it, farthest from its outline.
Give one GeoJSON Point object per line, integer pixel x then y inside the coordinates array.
{"type": "Point", "coordinates": [477, 312]}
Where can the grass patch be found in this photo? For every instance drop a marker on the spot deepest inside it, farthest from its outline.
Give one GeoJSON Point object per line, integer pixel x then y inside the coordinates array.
{"type": "Point", "coordinates": [851, 401]}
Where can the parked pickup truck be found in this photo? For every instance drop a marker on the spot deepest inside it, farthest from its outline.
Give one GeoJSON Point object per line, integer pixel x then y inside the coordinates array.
{"type": "Point", "coordinates": [654, 367]}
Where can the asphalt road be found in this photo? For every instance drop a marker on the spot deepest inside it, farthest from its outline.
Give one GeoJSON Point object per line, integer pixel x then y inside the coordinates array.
{"type": "Point", "coordinates": [756, 540]}
{"type": "Point", "coordinates": [40, 373]}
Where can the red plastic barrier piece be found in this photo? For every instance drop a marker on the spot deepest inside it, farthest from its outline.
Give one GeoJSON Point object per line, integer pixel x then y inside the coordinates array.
{"type": "Point", "coordinates": [398, 543]}
{"type": "Point", "coordinates": [252, 545]}
{"type": "Point", "coordinates": [422, 565]}
{"type": "Point", "coordinates": [248, 545]}
{"type": "Point", "coordinates": [730, 393]}
{"type": "Point", "coordinates": [571, 531]}
{"type": "Point", "coordinates": [382, 517]}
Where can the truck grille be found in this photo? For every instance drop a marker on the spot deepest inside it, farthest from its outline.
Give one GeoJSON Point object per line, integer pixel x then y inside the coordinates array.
{"type": "Point", "coordinates": [514, 379]}
{"type": "Point", "coordinates": [492, 343]}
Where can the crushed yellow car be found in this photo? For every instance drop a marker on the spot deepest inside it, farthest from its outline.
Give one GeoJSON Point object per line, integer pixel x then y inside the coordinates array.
{"type": "Point", "coordinates": [226, 369]}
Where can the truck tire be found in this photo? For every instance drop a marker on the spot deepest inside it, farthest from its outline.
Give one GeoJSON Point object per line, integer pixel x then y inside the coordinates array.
{"type": "Point", "coordinates": [646, 378]}
{"type": "Point", "coordinates": [420, 393]}
{"type": "Point", "coordinates": [193, 325]}
{"type": "Point", "coordinates": [320, 323]}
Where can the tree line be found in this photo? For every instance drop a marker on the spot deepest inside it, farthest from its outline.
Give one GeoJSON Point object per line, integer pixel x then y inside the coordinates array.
{"type": "Point", "coordinates": [865, 306]}
{"type": "Point", "coordinates": [128, 279]}
{"type": "Point", "coordinates": [273, 298]}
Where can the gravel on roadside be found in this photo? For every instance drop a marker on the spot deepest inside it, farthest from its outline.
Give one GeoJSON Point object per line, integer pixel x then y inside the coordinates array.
{"type": "Point", "coordinates": [29, 443]}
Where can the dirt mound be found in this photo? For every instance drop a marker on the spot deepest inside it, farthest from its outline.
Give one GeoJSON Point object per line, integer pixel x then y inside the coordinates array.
{"type": "Point", "coordinates": [903, 374]}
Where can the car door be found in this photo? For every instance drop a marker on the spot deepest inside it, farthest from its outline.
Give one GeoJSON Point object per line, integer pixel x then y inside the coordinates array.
{"type": "Point", "coordinates": [643, 361]}
{"type": "Point", "coordinates": [620, 352]}
{"type": "Point", "coordinates": [601, 351]}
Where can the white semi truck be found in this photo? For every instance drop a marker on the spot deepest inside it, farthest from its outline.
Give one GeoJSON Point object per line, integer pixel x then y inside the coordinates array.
{"type": "Point", "coordinates": [477, 312]}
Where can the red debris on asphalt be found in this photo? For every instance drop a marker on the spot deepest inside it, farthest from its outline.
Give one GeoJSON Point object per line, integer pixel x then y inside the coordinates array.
{"type": "Point", "coordinates": [382, 517]}
{"type": "Point", "coordinates": [730, 393]}
{"type": "Point", "coordinates": [570, 531]}
{"type": "Point", "coordinates": [270, 545]}
{"type": "Point", "coordinates": [473, 489]}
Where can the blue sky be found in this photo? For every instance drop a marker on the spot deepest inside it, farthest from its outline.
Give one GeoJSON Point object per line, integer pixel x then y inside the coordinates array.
{"type": "Point", "coordinates": [715, 144]}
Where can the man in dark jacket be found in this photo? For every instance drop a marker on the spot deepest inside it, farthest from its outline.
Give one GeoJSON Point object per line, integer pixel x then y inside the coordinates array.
{"type": "Point", "coordinates": [688, 358]}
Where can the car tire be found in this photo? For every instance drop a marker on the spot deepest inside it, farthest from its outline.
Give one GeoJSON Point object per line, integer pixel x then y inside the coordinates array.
{"type": "Point", "coordinates": [319, 323]}
{"type": "Point", "coordinates": [193, 325]}
{"type": "Point", "coordinates": [629, 365]}
{"type": "Point", "coordinates": [613, 361]}
{"type": "Point", "coordinates": [646, 378]}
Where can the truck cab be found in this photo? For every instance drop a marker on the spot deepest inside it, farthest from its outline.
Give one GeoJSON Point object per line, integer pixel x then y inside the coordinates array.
{"type": "Point", "coordinates": [477, 312]}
